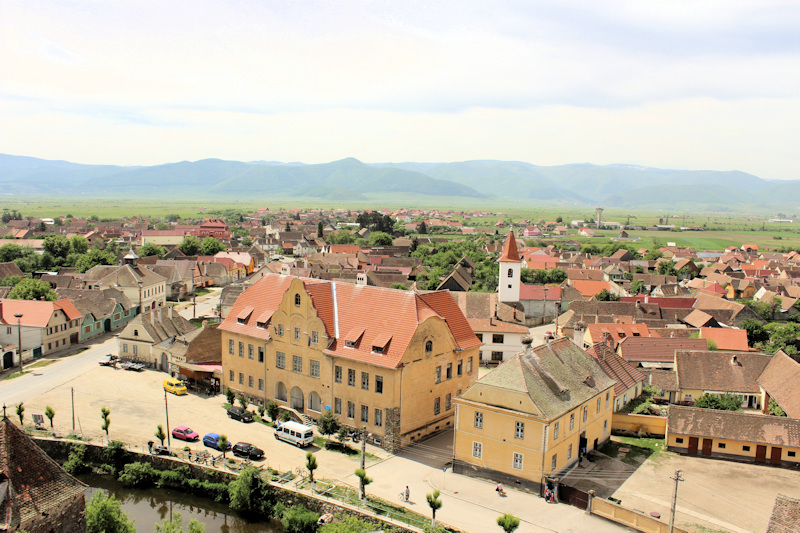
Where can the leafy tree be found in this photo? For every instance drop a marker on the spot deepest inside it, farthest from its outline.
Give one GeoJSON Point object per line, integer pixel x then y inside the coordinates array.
{"type": "Point", "coordinates": [116, 455]}
{"type": "Point", "coordinates": [319, 229]}
{"type": "Point", "coordinates": [775, 409]}
{"type": "Point", "coordinates": [756, 333]}
{"type": "Point", "coordinates": [21, 413]}
{"type": "Point", "coordinates": [230, 395]}
{"type": "Point", "coordinates": [211, 246]}
{"type": "Point", "coordinates": [723, 402]}
{"type": "Point", "coordinates": [637, 287]}
{"type": "Point", "coordinates": [261, 411]}
{"type": "Point", "coordinates": [78, 245]}
{"type": "Point", "coordinates": [10, 252]}
{"type": "Point", "coordinates": [242, 399]}
{"type": "Point", "coordinates": [151, 248]}
{"type": "Point", "coordinates": [32, 289]}
{"type": "Point", "coordinates": [341, 237]}
{"type": "Point", "coordinates": [298, 519]}
{"type": "Point", "coordinates": [175, 525]}
{"type": "Point", "coordinates": [508, 522]}
{"type": "Point", "coordinates": [711, 345]}
{"type": "Point", "coordinates": [375, 221]}
{"type": "Point", "coordinates": [159, 434]}
{"type": "Point", "coordinates": [223, 443]}
{"type": "Point", "coordinates": [93, 258]}
{"type": "Point", "coordinates": [105, 413]}
{"type": "Point", "coordinates": [75, 463]}
{"type": "Point", "coordinates": [246, 242]}
{"type": "Point", "coordinates": [272, 410]}
{"type": "Point", "coordinates": [161, 226]}
{"type": "Point", "coordinates": [250, 494]}
{"type": "Point", "coordinates": [50, 413]}
{"type": "Point", "coordinates": [286, 416]}
{"type": "Point", "coordinates": [341, 435]}
{"type": "Point", "coordinates": [139, 475]}
{"type": "Point", "coordinates": [345, 523]}
{"type": "Point", "coordinates": [666, 268]}
{"type": "Point", "coordinates": [559, 220]}
{"type": "Point", "coordinates": [311, 465]}
{"type": "Point", "coordinates": [422, 229]}
{"type": "Point", "coordinates": [56, 245]}
{"type": "Point", "coordinates": [104, 515]}
{"type": "Point", "coordinates": [653, 255]}
{"type": "Point", "coordinates": [363, 481]}
{"type": "Point", "coordinates": [434, 503]}
{"type": "Point", "coordinates": [10, 281]}
{"type": "Point", "coordinates": [328, 423]}
{"type": "Point", "coordinates": [190, 245]}
{"type": "Point", "coordinates": [605, 296]}
{"type": "Point", "coordinates": [379, 238]}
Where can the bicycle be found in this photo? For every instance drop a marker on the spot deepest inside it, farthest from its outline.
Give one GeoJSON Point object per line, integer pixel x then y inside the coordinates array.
{"type": "Point", "coordinates": [402, 497]}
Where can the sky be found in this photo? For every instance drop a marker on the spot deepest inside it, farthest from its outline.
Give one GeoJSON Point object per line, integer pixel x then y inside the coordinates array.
{"type": "Point", "coordinates": [700, 84]}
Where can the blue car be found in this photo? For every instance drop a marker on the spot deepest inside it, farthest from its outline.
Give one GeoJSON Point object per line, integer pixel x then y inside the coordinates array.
{"type": "Point", "coordinates": [212, 441]}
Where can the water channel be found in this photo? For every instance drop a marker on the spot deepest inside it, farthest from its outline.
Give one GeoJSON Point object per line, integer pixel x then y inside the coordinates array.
{"type": "Point", "coordinates": [151, 506]}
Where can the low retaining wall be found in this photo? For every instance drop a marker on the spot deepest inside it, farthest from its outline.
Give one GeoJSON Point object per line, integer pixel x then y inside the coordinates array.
{"type": "Point", "coordinates": [653, 425]}
{"type": "Point", "coordinates": [630, 518]}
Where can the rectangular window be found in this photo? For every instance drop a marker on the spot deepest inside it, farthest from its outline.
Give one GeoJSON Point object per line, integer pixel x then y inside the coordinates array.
{"type": "Point", "coordinates": [449, 371]}
{"type": "Point", "coordinates": [721, 445]}
{"type": "Point", "coordinates": [460, 368]}
{"type": "Point", "coordinates": [554, 462]}
{"type": "Point", "coordinates": [124, 347]}
{"type": "Point", "coordinates": [497, 338]}
{"type": "Point", "coordinates": [364, 414]}
{"type": "Point", "coordinates": [280, 359]}
{"type": "Point", "coordinates": [448, 402]}
{"type": "Point", "coordinates": [572, 421]}
{"type": "Point", "coordinates": [555, 431]}
{"type": "Point", "coordinates": [314, 337]}
{"type": "Point", "coordinates": [250, 351]}
{"type": "Point", "coordinates": [437, 406]}
{"type": "Point", "coordinates": [135, 348]}
{"type": "Point", "coordinates": [379, 384]}
{"type": "Point", "coordinates": [585, 413]}
{"type": "Point", "coordinates": [241, 378]}
{"type": "Point", "coordinates": [297, 334]}
{"type": "Point", "coordinates": [598, 405]}
{"type": "Point", "coordinates": [260, 354]}
{"type": "Point", "coordinates": [260, 384]}
{"type": "Point", "coordinates": [241, 349]}
{"type": "Point", "coordinates": [351, 377]}
{"type": "Point", "coordinates": [744, 448]}
{"type": "Point", "coordinates": [337, 374]}
{"type": "Point", "coordinates": [518, 461]}
{"type": "Point", "coordinates": [478, 420]}
{"type": "Point", "coordinates": [605, 427]}
{"type": "Point", "coordinates": [250, 381]}
{"type": "Point", "coordinates": [280, 330]}
{"type": "Point", "coordinates": [231, 378]}
{"type": "Point", "coordinates": [378, 417]}
{"type": "Point", "coordinates": [351, 410]}
{"type": "Point", "coordinates": [791, 454]}
{"type": "Point", "coordinates": [469, 365]}
{"type": "Point", "coordinates": [608, 396]}
{"type": "Point", "coordinates": [477, 450]}
{"type": "Point", "coordinates": [569, 452]}
{"type": "Point", "coordinates": [438, 375]}
{"type": "Point", "coordinates": [364, 381]}
{"type": "Point", "coordinates": [519, 430]}
{"type": "Point", "coordinates": [314, 368]}
{"type": "Point", "coordinates": [297, 363]}
{"type": "Point", "coordinates": [497, 356]}
{"type": "Point", "coordinates": [337, 406]}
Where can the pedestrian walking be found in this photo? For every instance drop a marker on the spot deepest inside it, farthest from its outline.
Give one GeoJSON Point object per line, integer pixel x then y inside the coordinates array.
{"type": "Point", "coordinates": [408, 493]}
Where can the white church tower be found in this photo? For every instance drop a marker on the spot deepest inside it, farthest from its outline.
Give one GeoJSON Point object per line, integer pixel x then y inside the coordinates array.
{"type": "Point", "coordinates": [508, 283]}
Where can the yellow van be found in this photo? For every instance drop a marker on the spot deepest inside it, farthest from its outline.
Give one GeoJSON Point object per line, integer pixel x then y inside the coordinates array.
{"type": "Point", "coordinates": [175, 386]}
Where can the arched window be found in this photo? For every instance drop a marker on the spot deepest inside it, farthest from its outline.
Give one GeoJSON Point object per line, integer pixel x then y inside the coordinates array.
{"type": "Point", "coordinates": [297, 300]}
{"type": "Point", "coordinates": [429, 347]}
{"type": "Point", "coordinates": [136, 333]}
{"type": "Point", "coordinates": [510, 272]}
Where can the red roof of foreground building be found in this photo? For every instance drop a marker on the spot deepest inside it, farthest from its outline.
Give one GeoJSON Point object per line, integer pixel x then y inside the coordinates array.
{"type": "Point", "coordinates": [35, 313]}
{"type": "Point", "coordinates": [362, 315]}
{"type": "Point", "coordinates": [510, 253]}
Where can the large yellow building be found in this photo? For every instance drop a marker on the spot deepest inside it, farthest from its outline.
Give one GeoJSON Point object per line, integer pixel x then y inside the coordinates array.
{"type": "Point", "coordinates": [389, 360]}
{"type": "Point", "coordinates": [529, 419]}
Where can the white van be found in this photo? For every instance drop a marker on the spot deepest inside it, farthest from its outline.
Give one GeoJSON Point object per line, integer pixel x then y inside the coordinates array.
{"type": "Point", "coordinates": [294, 433]}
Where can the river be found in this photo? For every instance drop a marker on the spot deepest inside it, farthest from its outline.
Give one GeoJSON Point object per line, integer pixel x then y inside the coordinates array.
{"type": "Point", "coordinates": [149, 507]}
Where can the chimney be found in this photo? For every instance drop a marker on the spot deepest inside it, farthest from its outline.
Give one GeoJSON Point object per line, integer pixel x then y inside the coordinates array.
{"type": "Point", "coordinates": [735, 361]}
{"type": "Point", "coordinates": [169, 311]}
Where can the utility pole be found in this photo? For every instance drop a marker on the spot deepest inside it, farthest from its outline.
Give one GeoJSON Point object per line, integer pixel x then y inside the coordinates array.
{"type": "Point", "coordinates": [166, 408]}
{"type": "Point", "coordinates": [363, 460]}
{"type": "Point", "coordinates": [72, 394]}
{"type": "Point", "coordinates": [194, 305]}
{"type": "Point", "coordinates": [677, 479]}
{"type": "Point", "coordinates": [18, 316]}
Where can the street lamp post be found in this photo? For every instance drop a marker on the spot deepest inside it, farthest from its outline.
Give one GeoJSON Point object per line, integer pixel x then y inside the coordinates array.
{"type": "Point", "coordinates": [18, 316]}
{"type": "Point", "coordinates": [166, 408]}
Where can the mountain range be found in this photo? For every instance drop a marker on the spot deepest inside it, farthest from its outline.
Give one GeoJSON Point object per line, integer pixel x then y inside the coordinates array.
{"type": "Point", "coordinates": [467, 182]}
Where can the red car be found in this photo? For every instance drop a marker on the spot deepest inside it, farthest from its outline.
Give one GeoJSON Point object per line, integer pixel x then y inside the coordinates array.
{"type": "Point", "coordinates": [185, 433]}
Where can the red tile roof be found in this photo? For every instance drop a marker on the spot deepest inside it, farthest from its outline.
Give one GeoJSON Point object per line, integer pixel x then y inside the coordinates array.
{"type": "Point", "coordinates": [734, 425]}
{"type": "Point", "coordinates": [663, 303]}
{"type": "Point", "coordinates": [727, 338]}
{"type": "Point", "coordinates": [734, 372]}
{"type": "Point", "coordinates": [617, 368]}
{"type": "Point", "coordinates": [510, 253]}
{"type": "Point", "coordinates": [589, 288]}
{"type": "Point", "coordinates": [780, 379]}
{"type": "Point", "coordinates": [537, 292]}
{"type": "Point", "coordinates": [35, 313]}
{"type": "Point", "coordinates": [657, 350]}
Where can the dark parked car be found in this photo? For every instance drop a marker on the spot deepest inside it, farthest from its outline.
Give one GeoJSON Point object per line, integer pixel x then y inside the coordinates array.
{"type": "Point", "coordinates": [242, 415]}
{"type": "Point", "coordinates": [245, 449]}
{"type": "Point", "coordinates": [212, 441]}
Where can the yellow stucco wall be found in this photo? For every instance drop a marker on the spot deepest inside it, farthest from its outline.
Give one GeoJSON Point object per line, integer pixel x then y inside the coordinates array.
{"type": "Point", "coordinates": [734, 447]}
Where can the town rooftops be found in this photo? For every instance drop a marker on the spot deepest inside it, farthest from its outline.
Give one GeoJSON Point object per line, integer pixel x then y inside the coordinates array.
{"type": "Point", "coordinates": [727, 338]}
{"type": "Point", "coordinates": [785, 516]}
{"type": "Point", "coordinates": [780, 379]}
{"type": "Point", "coordinates": [35, 313]}
{"type": "Point", "coordinates": [625, 374]}
{"type": "Point", "coordinates": [657, 350]}
{"type": "Point", "coordinates": [733, 425]}
{"type": "Point", "coordinates": [735, 372]}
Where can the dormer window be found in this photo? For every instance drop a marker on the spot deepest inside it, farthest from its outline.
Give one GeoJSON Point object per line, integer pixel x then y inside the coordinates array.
{"type": "Point", "coordinates": [352, 338]}
{"type": "Point", "coordinates": [136, 333]}
{"type": "Point", "coordinates": [381, 342]}
{"type": "Point", "coordinates": [244, 314]}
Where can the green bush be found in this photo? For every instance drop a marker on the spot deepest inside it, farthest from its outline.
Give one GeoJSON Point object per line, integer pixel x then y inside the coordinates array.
{"type": "Point", "coordinates": [76, 463]}
{"type": "Point", "coordinates": [723, 402]}
{"type": "Point", "coordinates": [298, 519]}
{"type": "Point", "coordinates": [139, 475]}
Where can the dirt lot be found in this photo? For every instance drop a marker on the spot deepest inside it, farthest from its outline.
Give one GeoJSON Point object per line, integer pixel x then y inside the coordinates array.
{"type": "Point", "coordinates": [715, 496]}
{"type": "Point", "coordinates": [136, 401]}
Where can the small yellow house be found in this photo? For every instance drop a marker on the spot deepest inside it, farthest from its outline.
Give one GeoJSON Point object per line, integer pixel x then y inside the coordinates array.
{"type": "Point", "coordinates": [530, 419]}
{"type": "Point", "coordinates": [734, 435]}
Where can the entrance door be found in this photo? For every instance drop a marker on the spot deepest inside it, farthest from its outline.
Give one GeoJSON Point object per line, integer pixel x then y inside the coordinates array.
{"type": "Point", "coordinates": [693, 441]}
{"type": "Point", "coordinates": [761, 454]}
{"type": "Point", "coordinates": [707, 446]}
{"type": "Point", "coordinates": [775, 456]}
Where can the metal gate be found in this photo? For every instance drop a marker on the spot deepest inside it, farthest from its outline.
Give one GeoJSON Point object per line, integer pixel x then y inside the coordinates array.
{"type": "Point", "coordinates": [571, 495]}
